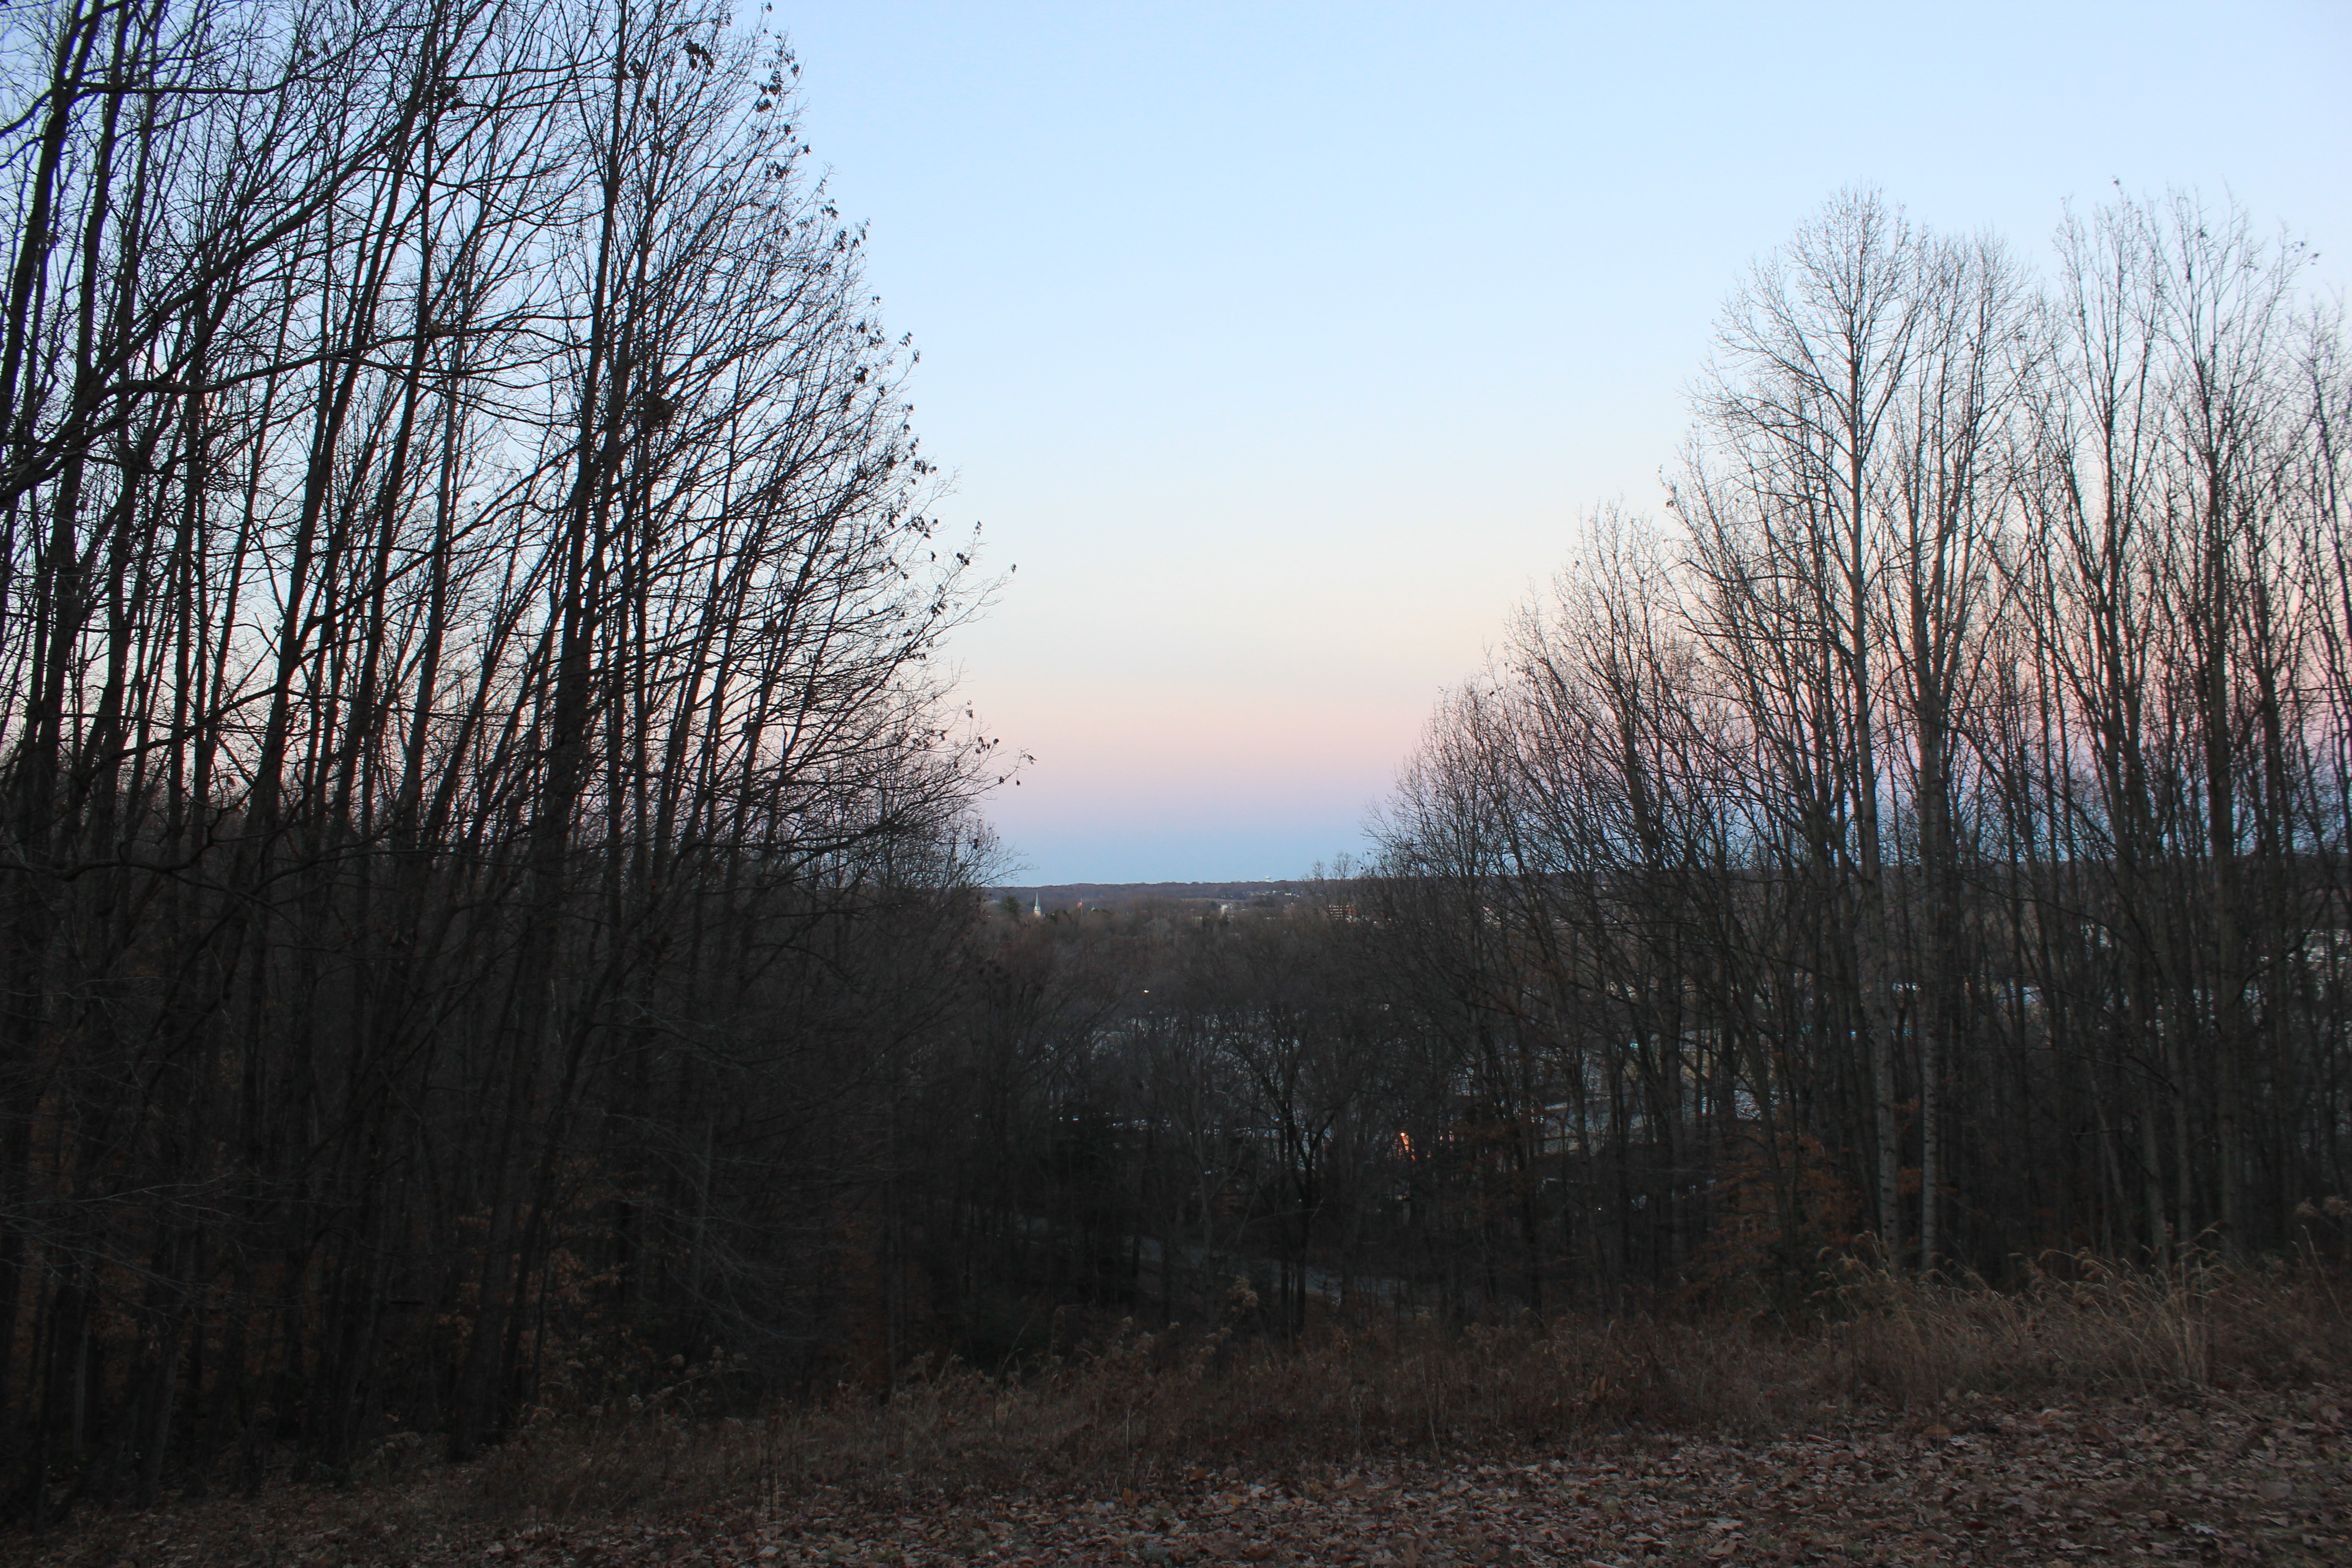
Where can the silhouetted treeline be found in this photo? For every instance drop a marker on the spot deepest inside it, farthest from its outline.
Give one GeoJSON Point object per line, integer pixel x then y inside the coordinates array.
{"type": "Point", "coordinates": [473, 795]}
{"type": "Point", "coordinates": [1952, 792]}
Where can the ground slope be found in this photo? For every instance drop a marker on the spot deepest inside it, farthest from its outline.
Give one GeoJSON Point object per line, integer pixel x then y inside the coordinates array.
{"type": "Point", "coordinates": [2258, 1475]}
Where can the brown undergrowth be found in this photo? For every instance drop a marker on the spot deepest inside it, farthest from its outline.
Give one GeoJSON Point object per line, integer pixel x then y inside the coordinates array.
{"type": "Point", "coordinates": [1136, 1412]}
{"type": "Point", "coordinates": [1139, 1404]}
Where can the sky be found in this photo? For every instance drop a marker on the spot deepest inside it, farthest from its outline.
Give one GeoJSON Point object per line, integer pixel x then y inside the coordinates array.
{"type": "Point", "coordinates": [1282, 347]}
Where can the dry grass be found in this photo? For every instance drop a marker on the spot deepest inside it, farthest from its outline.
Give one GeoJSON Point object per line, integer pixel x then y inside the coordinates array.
{"type": "Point", "coordinates": [1138, 1407]}
{"type": "Point", "coordinates": [1137, 1417]}
{"type": "Point", "coordinates": [2084, 1325]}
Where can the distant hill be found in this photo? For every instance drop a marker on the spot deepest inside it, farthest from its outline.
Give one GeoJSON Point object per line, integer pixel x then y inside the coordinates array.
{"type": "Point", "coordinates": [1127, 895]}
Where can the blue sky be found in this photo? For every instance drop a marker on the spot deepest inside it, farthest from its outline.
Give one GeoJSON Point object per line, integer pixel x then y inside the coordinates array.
{"type": "Point", "coordinates": [1281, 346]}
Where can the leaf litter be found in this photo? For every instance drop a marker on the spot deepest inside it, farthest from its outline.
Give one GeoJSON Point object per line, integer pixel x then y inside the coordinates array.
{"type": "Point", "coordinates": [2254, 1475]}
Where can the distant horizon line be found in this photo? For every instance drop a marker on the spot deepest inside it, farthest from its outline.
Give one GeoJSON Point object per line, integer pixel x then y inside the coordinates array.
{"type": "Point", "coordinates": [1261, 883]}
